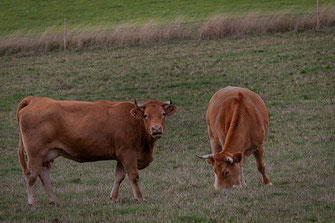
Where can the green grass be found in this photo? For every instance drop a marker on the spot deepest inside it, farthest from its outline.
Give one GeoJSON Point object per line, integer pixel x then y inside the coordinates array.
{"type": "Point", "coordinates": [38, 16]}
{"type": "Point", "coordinates": [293, 73]}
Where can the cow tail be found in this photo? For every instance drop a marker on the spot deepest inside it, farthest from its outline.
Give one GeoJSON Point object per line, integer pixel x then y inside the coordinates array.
{"type": "Point", "coordinates": [25, 102]}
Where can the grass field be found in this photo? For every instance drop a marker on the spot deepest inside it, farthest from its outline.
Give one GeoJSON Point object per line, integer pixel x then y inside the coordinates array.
{"type": "Point", "coordinates": [293, 73]}
{"type": "Point", "coordinates": [35, 27]}
{"type": "Point", "coordinates": [20, 17]}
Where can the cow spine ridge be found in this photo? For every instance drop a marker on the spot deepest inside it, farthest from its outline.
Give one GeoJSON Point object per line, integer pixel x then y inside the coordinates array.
{"type": "Point", "coordinates": [235, 120]}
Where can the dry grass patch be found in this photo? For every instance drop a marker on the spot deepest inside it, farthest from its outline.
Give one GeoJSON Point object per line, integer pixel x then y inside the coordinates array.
{"type": "Point", "coordinates": [121, 36]}
{"type": "Point", "coordinates": [216, 27]}
{"type": "Point", "coordinates": [222, 26]}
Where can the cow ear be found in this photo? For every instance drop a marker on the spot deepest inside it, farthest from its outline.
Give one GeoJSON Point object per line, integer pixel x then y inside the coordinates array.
{"type": "Point", "coordinates": [137, 113]}
{"type": "Point", "coordinates": [210, 161]}
{"type": "Point", "coordinates": [170, 110]}
{"type": "Point", "coordinates": [237, 157]}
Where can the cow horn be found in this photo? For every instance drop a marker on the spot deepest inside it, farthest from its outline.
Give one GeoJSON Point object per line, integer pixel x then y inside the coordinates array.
{"type": "Point", "coordinates": [167, 102]}
{"type": "Point", "coordinates": [230, 160]}
{"type": "Point", "coordinates": [138, 105]}
{"type": "Point", "coordinates": [205, 156]}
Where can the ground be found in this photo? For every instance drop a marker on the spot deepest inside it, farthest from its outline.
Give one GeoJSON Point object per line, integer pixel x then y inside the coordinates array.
{"type": "Point", "coordinates": [294, 73]}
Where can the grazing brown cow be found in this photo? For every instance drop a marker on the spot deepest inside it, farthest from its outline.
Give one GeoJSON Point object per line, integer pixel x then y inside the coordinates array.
{"type": "Point", "coordinates": [237, 122]}
{"type": "Point", "coordinates": [88, 131]}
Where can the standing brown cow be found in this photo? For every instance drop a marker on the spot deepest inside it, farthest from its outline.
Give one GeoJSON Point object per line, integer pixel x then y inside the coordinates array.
{"type": "Point", "coordinates": [237, 122]}
{"type": "Point", "coordinates": [88, 131]}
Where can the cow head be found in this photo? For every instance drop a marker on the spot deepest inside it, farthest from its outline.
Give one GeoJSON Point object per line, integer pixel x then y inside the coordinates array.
{"type": "Point", "coordinates": [226, 168]}
{"type": "Point", "coordinates": [153, 114]}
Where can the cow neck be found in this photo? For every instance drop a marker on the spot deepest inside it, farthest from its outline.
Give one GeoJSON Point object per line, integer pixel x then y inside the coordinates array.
{"type": "Point", "coordinates": [149, 141]}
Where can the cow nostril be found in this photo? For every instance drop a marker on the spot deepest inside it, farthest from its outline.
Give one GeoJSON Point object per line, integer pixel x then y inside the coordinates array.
{"type": "Point", "coordinates": [156, 129]}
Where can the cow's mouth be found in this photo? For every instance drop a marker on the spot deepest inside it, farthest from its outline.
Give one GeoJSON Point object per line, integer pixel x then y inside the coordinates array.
{"type": "Point", "coordinates": [157, 134]}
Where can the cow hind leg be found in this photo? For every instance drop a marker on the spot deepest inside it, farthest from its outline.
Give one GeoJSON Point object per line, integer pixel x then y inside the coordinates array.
{"type": "Point", "coordinates": [33, 170]}
{"type": "Point", "coordinates": [260, 165]}
{"type": "Point", "coordinates": [119, 174]}
{"type": "Point", "coordinates": [45, 180]}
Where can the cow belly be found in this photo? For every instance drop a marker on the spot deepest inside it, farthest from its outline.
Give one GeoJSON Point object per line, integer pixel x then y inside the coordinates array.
{"type": "Point", "coordinates": [79, 154]}
{"type": "Point", "coordinates": [88, 158]}
{"type": "Point", "coordinates": [91, 156]}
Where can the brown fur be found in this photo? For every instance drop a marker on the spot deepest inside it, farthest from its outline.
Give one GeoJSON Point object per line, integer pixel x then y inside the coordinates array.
{"type": "Point", "coordinates": [85, 132]}
{"type": "Point", "coordinates": [237, 124]}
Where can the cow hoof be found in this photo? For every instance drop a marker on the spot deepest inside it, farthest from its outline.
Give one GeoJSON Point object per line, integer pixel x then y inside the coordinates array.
{"type": "Point", "coordinates": [33, 206]}
{"type": "Point", "coordinates": [139, 200]}
{"type": "Point", "coordinates": [115, 201]}
{"type": "Point", "coordinates": [54, 203]}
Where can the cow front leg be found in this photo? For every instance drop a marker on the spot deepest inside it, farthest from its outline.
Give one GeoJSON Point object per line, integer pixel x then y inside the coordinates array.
{"type": "Point", "coordinates": [130, 166]}
{"type": "Point", "coordinates": [260, 165]}
{"type": "Point", "coordinates": [134, 179]}
{"type": "Point", "coordinates": [119, 174]}
{"type": "Point", "coordinates": [242, 177]}
{"type": "Point", "coordinates": [244, 159]}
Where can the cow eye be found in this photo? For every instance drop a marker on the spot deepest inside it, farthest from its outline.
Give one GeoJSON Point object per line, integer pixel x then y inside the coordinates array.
{"type": "Point", "coordinates": [164, 114]}
{"type": "Point", "coordinates": [145, 116]}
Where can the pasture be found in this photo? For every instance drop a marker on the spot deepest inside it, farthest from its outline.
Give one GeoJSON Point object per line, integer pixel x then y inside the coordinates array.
{"type": "Point", "coordinates": [294, 73]}
{"type": "Point", "coordinates": [22, 17]}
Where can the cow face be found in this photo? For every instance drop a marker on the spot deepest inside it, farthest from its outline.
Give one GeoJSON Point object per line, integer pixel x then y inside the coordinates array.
{"type": "Point", "coordinates": [153, 114]}
{"type": "Point", "coordinates": [227, 169]}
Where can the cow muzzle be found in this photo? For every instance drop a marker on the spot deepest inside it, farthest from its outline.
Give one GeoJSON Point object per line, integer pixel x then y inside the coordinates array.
{"type": "Point", "coordinates": [156, 131]}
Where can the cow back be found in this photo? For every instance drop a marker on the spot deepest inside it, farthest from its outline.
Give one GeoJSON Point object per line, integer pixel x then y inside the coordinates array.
{"type": "Point", "coordinates": [85, 131]}
{"type": "Point", "coordinates": [239, 110]}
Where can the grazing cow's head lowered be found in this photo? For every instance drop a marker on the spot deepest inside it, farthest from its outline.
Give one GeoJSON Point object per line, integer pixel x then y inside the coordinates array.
{"type": "Point", "coordinates": [226, 167]}
{"type": "Point", "coordinates": [153, 114]}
